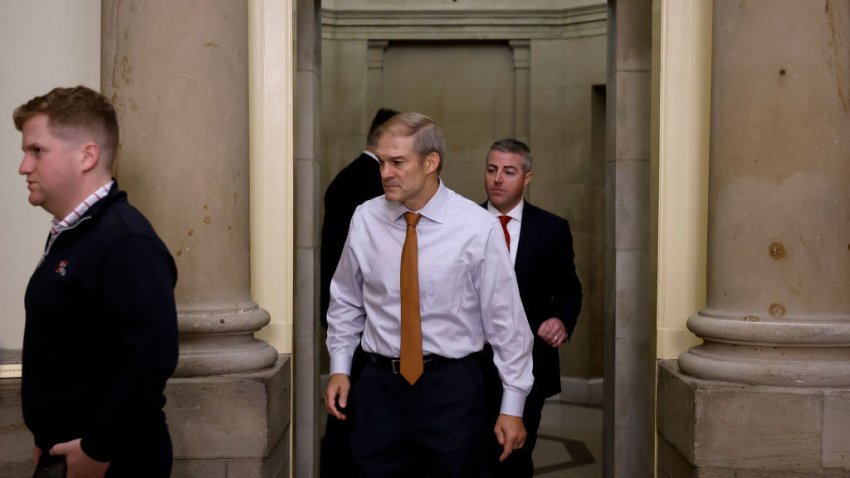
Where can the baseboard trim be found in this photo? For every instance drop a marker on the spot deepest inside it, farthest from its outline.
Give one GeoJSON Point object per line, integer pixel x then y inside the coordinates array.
{"type": "Point", "coordinates": [582, 391]}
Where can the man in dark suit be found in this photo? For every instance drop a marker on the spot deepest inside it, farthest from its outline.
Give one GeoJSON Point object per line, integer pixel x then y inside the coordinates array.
{"type": "Point", "coordinates": [541, 248]}
{"type": "Point", "coordinates": [356, 183]}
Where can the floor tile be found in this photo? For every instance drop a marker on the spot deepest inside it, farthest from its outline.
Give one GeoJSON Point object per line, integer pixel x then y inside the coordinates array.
{"type": "Point", "coordinates": [569, 442]}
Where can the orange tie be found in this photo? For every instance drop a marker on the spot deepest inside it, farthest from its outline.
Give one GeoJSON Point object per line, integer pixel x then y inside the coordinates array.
{"type": "Point", "coordinates": [411, 322]}
{"type": "Point", "coordinates": [504, 220]}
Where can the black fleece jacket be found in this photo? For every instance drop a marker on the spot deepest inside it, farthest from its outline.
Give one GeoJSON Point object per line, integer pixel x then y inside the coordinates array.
{"type": "Point", "coordinates": [101, 333]}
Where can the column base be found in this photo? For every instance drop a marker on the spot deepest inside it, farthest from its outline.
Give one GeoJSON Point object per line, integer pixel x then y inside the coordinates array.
{"type": "Point", "coordinates": [221, 341]}
{"type": "Point", "coordinates": [726, 430]}
{"type": "Point", "coordinates": [232, 425]}
{"type": "Point", "coordinates": [226, 425]}
{"type": "Point", "coordinates": [801, 351]}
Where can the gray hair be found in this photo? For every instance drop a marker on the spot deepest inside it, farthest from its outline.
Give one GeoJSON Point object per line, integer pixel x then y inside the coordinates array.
{"type": "Point", "coordinates": [513, 146]}
{"type": "Point", "coordinates": [427, 137]}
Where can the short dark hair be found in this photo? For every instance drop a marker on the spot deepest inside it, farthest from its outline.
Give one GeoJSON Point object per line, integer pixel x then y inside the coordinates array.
{"type": "Point", "coordinates": [427, 137]}
{"type": "Point", "coordinates": [381, 117]}
{"type": "Point", "coordinates": [514, 146]}
{"type": "Point", "coordinates": [70, 109]}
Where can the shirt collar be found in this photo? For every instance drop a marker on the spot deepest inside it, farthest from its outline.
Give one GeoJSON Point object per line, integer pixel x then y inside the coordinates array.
{"type": "Point", "coordinates": [435, 209]}
{"type": "Point", "coordinates": [515, 213]}
{"type": "Point", "coordinates": [370, 154]}
{"type": "Point", "coordinates": [74, 216]}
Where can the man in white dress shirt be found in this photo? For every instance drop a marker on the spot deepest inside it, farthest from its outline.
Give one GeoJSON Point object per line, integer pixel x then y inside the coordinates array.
{"type": "Point", "coordinates": [433, 424]}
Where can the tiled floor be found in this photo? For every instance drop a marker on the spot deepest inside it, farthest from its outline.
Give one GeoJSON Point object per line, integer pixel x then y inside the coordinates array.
{"type": "Point", "coordinates": [569, 442]}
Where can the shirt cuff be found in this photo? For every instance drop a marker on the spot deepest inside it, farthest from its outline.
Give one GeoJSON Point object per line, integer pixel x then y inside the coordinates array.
{"type": "Point", "coordinates": [513, 403]}
{"type": "Point", "coordinates": [340, 364]}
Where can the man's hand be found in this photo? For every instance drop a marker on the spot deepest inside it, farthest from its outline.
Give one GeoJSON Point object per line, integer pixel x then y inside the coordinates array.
{"type": "Point", "coordinates": [36, 454]}
{"type": "Point", "coordinates": [79, 464]}
{"type": "Point", "coordinates": [510, 433]}
{"type": "Point", "coordinates": [338, 387]}
{"type": "Point", "coordinates": [552, 331]}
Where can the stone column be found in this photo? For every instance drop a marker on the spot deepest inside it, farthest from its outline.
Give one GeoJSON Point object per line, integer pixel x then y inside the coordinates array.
{"type": "Point", "coordinates": [779, 266]}
{"type": "Point", "coordinates": [629, 363]}
{"type": "Point", "coordinates": [177, 73]}
{"type": "Point", "coordinates": [181, 89]}
{"type": "Point", "coordinates": [769, 388]}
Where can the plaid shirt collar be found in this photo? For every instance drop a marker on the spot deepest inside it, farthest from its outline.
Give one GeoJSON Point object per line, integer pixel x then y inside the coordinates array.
{"type": "Point", "coordinates": [74, 216]}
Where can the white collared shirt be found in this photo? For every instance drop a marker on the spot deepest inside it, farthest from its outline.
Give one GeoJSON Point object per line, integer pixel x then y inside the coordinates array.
{"type": "Point", "coordinates": [514, 225]}
{"type": "Point", "coordinates": [468, 291]}
{"type": "Point", "coordinates": [371, 155]}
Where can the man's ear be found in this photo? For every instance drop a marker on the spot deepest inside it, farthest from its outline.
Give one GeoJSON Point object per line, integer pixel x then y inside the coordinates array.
{"type": "Point", "coordinates": [91, 156]}
{"type": "Point", "coordinates": [527, 180]}
{"type": "Point", "coordinates": [432, 161]}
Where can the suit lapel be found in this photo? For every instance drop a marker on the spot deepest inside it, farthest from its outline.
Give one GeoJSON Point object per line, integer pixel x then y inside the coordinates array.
{"type": "Point", "coordinates": [525, 249]}
{"type": "Point", "coordinates": [526, 242]}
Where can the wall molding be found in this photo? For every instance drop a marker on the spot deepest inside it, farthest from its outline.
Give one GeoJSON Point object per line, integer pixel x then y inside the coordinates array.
{"type": "Point", "coordinates": [465, 24]}
{"type": "Point", "coordinates": [582, 391]}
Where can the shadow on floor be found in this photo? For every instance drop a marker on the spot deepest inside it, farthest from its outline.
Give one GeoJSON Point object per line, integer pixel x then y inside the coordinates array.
{"type": "Point", "coordinates": [569, 443]}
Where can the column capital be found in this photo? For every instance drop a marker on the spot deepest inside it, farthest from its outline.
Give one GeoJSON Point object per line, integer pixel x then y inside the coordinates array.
{"type": "Point", "coordinates": [522, 53]}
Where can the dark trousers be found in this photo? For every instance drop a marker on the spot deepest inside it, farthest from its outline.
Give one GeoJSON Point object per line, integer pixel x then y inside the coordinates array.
{"type": "Point", "coordinates": [519, 463]}
{"type": "Point", "coordinates": [147, 455]}
{"type": "Point", "coordinates": [435, 427]}
{"type": "Point", "coordinates": [335, 455]}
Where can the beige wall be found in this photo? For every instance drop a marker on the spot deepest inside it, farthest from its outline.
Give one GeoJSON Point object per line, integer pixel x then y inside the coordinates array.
{"type": "Point", "coordinates": [681, 102]}
{"type": "Point", "coordinates": [569, 179]}
{"type": "Point", "coordinates": [43, 44]}
{"type": "Point", "coordinates": [482, 75]}
{"type": "Point", "coordinates": [467, 88]}
{"type": "Point", "coordinates": [345, 115]}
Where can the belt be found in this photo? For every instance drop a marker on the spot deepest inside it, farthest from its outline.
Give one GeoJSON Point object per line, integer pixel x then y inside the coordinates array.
{"type": "Point", "coordinates": [393, 364]}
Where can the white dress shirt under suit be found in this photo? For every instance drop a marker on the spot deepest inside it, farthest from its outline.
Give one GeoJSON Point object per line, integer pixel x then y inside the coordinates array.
{"type": "Point", "coordinates": [514, 226]}
{"type": "Point", "coordinates": [468, 291]}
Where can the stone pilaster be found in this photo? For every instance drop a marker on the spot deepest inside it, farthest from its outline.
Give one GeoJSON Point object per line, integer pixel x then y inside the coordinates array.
{"type": "Point", "coordinates": [178, 76]}
{"type": "Point", "coordinates": [309, 405]}
{"type": "Point", "coordinates": [629, 364]}
{"type": "Point", "coordinates": [375, 74]}
{"type": "Point", "coordinates": [770, 387]}
{"type": "Point", "coordinates": [522, 88]}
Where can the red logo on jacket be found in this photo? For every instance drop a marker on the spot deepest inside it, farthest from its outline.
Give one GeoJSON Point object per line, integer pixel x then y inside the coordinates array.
{"type": "Point", "coordinates": [60, 268]}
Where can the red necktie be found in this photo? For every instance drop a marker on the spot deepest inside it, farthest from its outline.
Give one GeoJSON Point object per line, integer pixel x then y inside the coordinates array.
{"type": "Point", "coordinates": [504, 220]}
{"type": "Point", "coordinates": [410, 355]}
